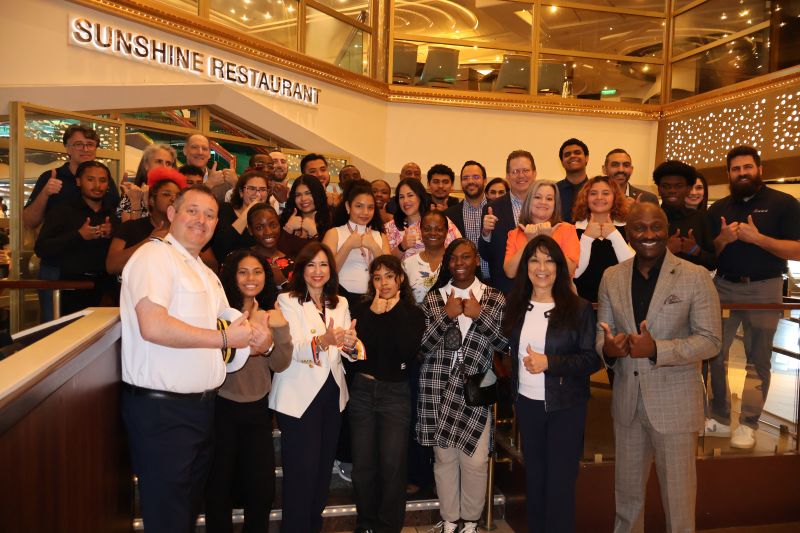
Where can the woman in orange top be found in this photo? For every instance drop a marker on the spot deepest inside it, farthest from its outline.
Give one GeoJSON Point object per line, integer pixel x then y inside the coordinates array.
{"type": "Point", "coordinates": [541, 215]}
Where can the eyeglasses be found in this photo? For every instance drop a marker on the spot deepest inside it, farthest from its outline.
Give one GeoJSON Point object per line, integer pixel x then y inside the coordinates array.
{"type": "Point", "coordinates": [250, 188]}
{"type": "Point", "coordinates": [80, 145]}
{"type": "Point", "coordinates": [521, 172]}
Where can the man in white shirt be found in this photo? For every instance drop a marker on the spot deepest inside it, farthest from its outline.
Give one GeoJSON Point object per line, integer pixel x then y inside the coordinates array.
{"type": "Point", "coordinates": [172, 364]}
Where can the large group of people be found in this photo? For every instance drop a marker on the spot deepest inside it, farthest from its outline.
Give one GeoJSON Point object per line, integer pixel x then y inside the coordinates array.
{"type": "Point", "coordinates": [378, 315]}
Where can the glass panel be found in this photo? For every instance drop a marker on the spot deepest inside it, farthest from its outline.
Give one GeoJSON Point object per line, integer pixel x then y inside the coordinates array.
{"type": "Point", "coordinates": [186, 118]}
{"type": "Point", "coordinates": [599, 79]}
{"type": "Point", "coordinates": [467, 68]}
{"type": "Point", "coordinates": [568, 28]}
{"type": "Point", "coordinates": [715, 20]}
{"type": "Point", "coordinates": [739, 60]}
{"type": "Point", "coordinates": [336, 42]}
{"type": "Point", "coordinates": [228, 154]}
{"type": "Point", "coordinates": [735, 390]}
{"type": "Point", "coordinates": [51, 128]}
{"type": "Point", "coordinates": [643, 5]}
{"type": "Point", "coordinates": [271, 20]}
{"type": "Point", "coordinates": [184, 5]}
{"type": "Point", "coordinates": [220, 125]}
{"type": "Point", "coordinates": [508, 23]}
{"type": "Point", "coordinates": [358, 9]}
{"type": "Point", "coordinates": [5, 128]}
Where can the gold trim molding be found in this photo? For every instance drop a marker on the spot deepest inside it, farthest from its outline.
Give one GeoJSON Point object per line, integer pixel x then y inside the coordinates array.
{"type": "Point", "coordinates": [202, 30]}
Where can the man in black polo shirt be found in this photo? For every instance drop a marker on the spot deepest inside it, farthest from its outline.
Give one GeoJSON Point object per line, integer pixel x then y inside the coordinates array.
{"type": "Point", "coordinates": [76, 234]}
{"type": "Point", "coordinates": [574, 156]}
{"type": "Point", "coordinates": [756, 229]}
{"type": "Point", "coordinates": [689, 232]}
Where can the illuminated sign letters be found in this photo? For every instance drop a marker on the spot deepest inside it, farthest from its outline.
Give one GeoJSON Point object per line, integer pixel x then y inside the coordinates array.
{"type": "Point", "coordinates": [131, 45]}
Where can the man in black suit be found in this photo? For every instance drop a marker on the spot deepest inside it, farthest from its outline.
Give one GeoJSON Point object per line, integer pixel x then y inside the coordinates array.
{"type": "Point", "coordinates": [501, 215]}
{"type": "Point", "coordinates": [619, 167]}
{"type": "Point", "coordinates": [467, 214]}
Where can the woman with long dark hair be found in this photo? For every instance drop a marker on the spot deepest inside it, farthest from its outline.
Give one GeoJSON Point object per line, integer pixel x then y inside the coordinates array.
{"type": "Point", "coordinates": [244, 459]}
{"type": "Point", "coordinates": [403, 230]}
{"type": "Point", "coordinates": [309, 396]}
{"type": "Point", "coordinates": [551, 334]}
{"type": "Point", "coordinates": [306, 216]}
{"type": "Point", "coordinates": [357, 241]}
{"type": "Point", "coordinates": [462, 332]}
{"type": "Point", "coordinates": [698, 194]}
{"type": "Point", "coordinates": [390, 325]}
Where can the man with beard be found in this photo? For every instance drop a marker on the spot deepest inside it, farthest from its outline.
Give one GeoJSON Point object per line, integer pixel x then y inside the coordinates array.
{"type": "Point", "coordinates": [618, 165]}
{"type": "Point", "coordinates": [280, 171]}
{"type": "Point", "coordinates": [658, 318]}
{"type": "Point", "coordinates": [440, 183]}
{"type": "Point", "coordinates": [466, 215]}
{"type": "Point", "coordinates": [574, 156]}
{"type": "Point", "coordinates": [756, 230]}
{"type": "Point", "coordinates": [689, 232]}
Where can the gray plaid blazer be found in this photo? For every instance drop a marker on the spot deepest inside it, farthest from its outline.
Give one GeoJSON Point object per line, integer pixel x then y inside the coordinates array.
{"type": "Point", "coordinates": [684, 320]}
{"type": "Point", "coordinates": [444, 419]}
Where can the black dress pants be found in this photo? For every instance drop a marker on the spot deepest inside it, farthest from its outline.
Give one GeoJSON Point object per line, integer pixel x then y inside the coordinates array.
{"type": "Point", "coordinates": [552, 446]}
{"type": "Point", "coordinates": [171, 442]}
{"type": "Point", "coordinates": [308, 448]}
{"type": "Point", "coordinates": [243, 466]}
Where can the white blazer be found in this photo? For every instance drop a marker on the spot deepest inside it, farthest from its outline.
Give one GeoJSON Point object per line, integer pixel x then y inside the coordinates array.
{"type": "Point", "coordinates": [295, 388]}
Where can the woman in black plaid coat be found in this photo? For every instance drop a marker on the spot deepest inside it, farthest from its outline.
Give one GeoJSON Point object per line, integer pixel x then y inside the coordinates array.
{"type": "Point", "coordinates": [458, 305]}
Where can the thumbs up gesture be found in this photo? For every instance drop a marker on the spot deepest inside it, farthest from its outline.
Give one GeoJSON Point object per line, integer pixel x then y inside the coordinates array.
{"type": "Point", "coordinates": [350, 336]}
{"type": "Point", "coordinates": [53, 185]}
{"type": "Point", "coordinates": [215, 176]}
{"type": "Point", "coordinates": [748, 232]}
{"type": "Point", "coordinates": [89, 232]}
{"type": "Point", "coordinates": [674, 242]}
{"type": "Point", "coordinates": [471, 306]}
{"type": "Point", "coordinates": [489, 222]}
{"type": "Point", "coordinates": [615, 345]}
{"type": "Point", "coordinates": [728, 232]}
{"type": "Point", "coordinates": [105, 228]}
{"type": "Point", "coordinates": [642, 344]}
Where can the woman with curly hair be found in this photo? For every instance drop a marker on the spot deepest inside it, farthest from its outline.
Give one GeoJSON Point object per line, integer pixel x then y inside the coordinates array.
{"type": "Point", "coordinates": [599, 215]}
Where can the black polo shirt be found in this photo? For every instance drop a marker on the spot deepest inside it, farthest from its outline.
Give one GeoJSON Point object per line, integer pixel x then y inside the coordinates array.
{"type": "Point", "coordinates": [775, 214]}
{"type": "Point", "coordinates": [567, 192]}
{"type": "Point", "coordinates": [134, 231]}
{"type": "Point", "coordinates": [69, 189]}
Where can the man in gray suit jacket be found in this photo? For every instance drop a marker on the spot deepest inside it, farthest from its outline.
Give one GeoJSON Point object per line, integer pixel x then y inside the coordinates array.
{"type": "Point", "coordinates": [658, 317]}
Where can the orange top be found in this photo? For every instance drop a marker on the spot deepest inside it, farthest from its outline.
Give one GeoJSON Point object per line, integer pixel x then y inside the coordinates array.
{"type": "Point", "coordinates": [565, 235]}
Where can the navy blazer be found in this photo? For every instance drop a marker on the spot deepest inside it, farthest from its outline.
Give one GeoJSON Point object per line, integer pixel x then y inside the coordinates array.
{"type": "Point", "coordinates": [494, 252]}
{"type": "Point", "coordinates": [571, 359]}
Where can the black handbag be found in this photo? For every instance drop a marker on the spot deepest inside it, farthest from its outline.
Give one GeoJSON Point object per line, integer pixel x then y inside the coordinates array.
{"type": "Point", "coordinates": [478, 393]}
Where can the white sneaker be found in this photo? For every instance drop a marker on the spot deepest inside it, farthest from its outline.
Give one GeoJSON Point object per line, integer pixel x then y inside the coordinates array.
{"type": "Point", "coordinates": [470, 527]}
{"type": "Point", "coordinates": [445, 527]}
{"type": "Point", "coordinates": [716, 429]}
{"type": "Point", "coordinates": [743, 437]}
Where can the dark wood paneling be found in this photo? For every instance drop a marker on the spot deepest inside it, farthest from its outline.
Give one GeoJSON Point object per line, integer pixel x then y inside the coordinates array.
{"type": "Point", "coordinates": [64, 465]}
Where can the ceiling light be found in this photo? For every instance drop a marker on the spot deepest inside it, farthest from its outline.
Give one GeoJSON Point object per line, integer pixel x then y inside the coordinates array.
{"type": "Point", "coordinates": [723, 16]}
{"type": "Point", "coordinates": [290, 9]}
{"type": "Point", "coordinates": [553, 9]}
{"type": "Point", "coordinates": [267, 15]}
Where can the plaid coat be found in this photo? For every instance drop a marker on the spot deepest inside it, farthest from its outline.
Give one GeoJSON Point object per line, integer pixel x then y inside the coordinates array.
{"type": "Point", "coordinates": [444, 419]}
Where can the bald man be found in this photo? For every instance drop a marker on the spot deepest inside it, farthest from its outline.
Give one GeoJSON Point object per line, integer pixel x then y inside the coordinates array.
{"type": "Point", "coordinates": [658, 318]}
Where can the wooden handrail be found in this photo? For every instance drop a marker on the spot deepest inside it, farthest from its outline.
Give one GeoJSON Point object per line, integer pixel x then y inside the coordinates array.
{"type": "Point", "coordinates": [43, 284]}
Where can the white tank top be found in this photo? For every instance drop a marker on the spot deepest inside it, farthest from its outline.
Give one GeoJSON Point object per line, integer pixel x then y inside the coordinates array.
{"type": "Point", "coordinates": [354, 274]}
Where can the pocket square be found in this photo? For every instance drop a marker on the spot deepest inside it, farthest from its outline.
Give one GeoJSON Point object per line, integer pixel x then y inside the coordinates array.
{"type": "Point", "coordinates": [672, 299]}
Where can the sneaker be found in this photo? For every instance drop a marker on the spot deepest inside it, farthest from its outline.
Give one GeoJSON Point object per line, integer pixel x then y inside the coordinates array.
{"type": "Point", "coordinates": [344, 470]}
{"type": "Point", "coordinates": [445, 527]}
{"type": "Point", "coordinates": [470, 527]}
{"type": "Point", "coordinates": [744, 437]}
{"type": "Point", "coordinates": [716, 429]}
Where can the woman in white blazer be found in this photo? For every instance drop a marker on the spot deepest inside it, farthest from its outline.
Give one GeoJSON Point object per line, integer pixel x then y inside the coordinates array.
{"type": "Point", "coordinates": [309, 396]}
